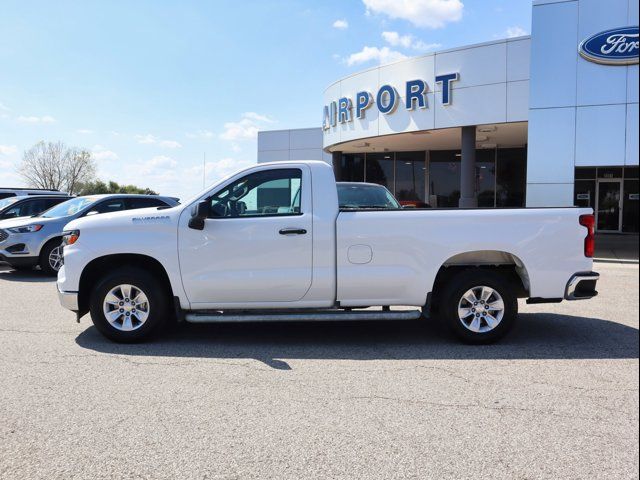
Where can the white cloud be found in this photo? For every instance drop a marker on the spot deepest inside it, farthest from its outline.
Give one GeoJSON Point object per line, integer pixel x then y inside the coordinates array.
{"type": "Point", "coordinates": [170, 144]}
{"type": "Point", "coordinates": [148, 139]}
{"type": "Point", "coordinates": [515, 31]}
{"type": "Point", "coordinates": [257, 117]}
{"type": "Point", "coordinates": [4, 110]}
{"type": "Point", "coordinates": [36, 120]}
{"type": "Point", "coordinates": [245, 129]}
{"type": "Point", "coordinates": [381, 55]}
{"type": "Point", "coordinates": [395, 39]}
{"type": "Point", "coordinates": [8, 175]}
{"type": "Point", "coordinates": [421, 13]}
{"type": "Point", "coordinates": [8, 149]}
{"type": "Point", "coordinates": [408, 41]}
{"type": "Point", "coordinates": [425, 47]}
{"type": "Point", "coordinates": [98, 152]}
{"type": "Point", "coordinates": [160, 173]}
{"type": "Point", "coordinates": [341, 24]}
{"type": "Point", "coordinates": [84, 131]}
{"type": "Point", "coordinates": [215, 171]}
{"type": "Point", "coordinates": [156, 165]}
{"type": "Point", "coordinates": [204, 134]}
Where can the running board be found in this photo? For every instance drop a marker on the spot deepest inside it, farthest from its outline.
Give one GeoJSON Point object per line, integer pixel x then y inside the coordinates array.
{"type": "Point", "coordinates": [307, 316]}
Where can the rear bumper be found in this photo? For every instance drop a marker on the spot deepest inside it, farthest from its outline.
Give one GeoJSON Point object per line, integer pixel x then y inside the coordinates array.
{"type": "Point", "coordinates": [582, 286]}
{"type": "Point", "coordinates": [69, 300]}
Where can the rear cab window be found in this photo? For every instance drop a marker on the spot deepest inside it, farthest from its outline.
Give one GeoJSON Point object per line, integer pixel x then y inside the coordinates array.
{"type": "Point", "coordinates": [363, 196]}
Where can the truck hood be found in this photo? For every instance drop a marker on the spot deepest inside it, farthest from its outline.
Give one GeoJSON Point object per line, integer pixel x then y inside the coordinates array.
{"type": "Point", "coordinates": [142, 216]}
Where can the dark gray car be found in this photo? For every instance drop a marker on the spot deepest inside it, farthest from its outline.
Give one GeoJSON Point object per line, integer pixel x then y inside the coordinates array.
{"type": "Point", "coordinates": [28, 205]}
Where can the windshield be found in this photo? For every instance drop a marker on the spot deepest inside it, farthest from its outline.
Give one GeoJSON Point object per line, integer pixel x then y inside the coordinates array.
{"type": "Point", "coordinates": [365, 196]}
{"type": "Point", "coordinates": [5, 202]}
{"type": "Point", "coordinates": [70, 207]}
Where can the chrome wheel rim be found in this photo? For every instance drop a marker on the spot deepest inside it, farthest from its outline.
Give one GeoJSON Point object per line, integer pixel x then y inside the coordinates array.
{"type": "Point", "coordinates": [55, 258]}
{"type": "Point", "coordinates": [481, 309]}
{"type": "Point", "coordinates": [126, 307]}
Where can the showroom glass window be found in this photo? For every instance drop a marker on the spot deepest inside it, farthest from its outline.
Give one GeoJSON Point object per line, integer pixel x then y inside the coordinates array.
{"type": "Point", "coordinates": [584, 194]}
{"type": "Point", "coordinates": [486, 177]}
{"type": "Point", "coordinates": [511, 177]}
{"type": "Point", "coordinates": [350, 168]}
{"type": "Point", "coordinates": [379, 169]}
{"type": "Point", "coordinates": [630, 201]}
{"type": "Point", "coordinates": [444, 178]}
{"type": "Point", "coordinates": [410, 176]}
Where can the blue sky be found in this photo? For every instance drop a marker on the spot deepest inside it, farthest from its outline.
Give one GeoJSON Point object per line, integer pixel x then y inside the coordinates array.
{"type": "Point", "coordinates": [150, 86]}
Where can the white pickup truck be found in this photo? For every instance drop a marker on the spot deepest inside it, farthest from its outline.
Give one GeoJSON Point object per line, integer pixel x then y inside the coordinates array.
{"type": "Point", "coordinates": [271, 243]}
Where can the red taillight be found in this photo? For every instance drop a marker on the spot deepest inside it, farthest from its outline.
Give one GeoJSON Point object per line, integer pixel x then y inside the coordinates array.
{"type": "Point", "coordinates": [589, 221]}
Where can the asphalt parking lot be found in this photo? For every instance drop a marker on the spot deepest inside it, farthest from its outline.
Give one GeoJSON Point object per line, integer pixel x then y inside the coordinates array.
{"type": "Point", "coordinates": [558, 398]}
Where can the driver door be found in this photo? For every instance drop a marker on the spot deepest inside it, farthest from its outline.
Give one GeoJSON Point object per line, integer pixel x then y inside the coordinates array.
{"type": "Point", "coordinates": [256, 245]}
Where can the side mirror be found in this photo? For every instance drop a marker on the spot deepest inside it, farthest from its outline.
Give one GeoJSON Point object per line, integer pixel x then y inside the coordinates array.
{"type": "Point", "coordinates": [92, 212]}
{"type": "Point", "coordinates": [199, 215]}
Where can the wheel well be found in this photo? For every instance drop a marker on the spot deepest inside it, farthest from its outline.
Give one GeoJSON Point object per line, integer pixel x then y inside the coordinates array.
{"type": "Point", "coordinates": [47, 243]}
{"type": "Point", "coordinates": [501, 262]}
{"type": "Point", "coordinates": [101, 265]}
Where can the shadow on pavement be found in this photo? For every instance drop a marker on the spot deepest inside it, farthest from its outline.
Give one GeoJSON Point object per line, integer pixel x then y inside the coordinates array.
{"type": "Point", "coordinates": [537, 336]}
{"type": "Point", "coordinates": [31, 276]}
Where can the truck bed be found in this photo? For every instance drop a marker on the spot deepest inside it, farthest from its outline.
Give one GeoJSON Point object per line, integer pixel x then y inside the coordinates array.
{"type": "Point", "coordinates": [408, 247]}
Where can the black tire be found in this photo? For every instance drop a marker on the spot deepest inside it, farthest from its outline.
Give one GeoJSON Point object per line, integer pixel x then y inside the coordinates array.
{"type": "Point", "coordinates": [45, 262]}
{"type": "Point", "coordinates": [473, 279]}
{"type": "Point", "coordinates": [158, 304]}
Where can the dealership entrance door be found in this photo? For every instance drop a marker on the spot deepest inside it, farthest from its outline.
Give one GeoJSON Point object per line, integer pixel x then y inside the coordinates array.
{"type": "Point", "coordinates": [613, 194]}
{"type": "Point", "coordinates": [609, 210]}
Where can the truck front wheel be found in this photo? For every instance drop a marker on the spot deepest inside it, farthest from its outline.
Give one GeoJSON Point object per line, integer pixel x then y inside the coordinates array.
{"type": "Point", "coordinates": [128, 305]}
{"type": "Point", "coordinates": [479, 306]}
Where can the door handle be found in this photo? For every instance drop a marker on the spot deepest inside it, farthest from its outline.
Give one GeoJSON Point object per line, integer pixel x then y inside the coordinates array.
{"type": "Point", "coordinates": [292, 231]}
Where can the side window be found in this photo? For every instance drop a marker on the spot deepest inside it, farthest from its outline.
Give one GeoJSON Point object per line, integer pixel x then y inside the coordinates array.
{"type": "Point", "coordinates": [12, 212]}
{"type": "Point", "coordinates": [32, 207]}
{"type": "Point", "coordinates": [270, 192]}
{"type": "Point", "coordinates": [107, 206]}
{"type": "Point", "coordinates": [52, 202]}
{"type": "Point", "coordinates": [142, 202]}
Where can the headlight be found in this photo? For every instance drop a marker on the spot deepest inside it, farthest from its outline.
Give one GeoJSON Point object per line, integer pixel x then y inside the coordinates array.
{"type": "Point", "coordinates": [71, 237]}
{"type": "Point", "coordinates": [26, 229]}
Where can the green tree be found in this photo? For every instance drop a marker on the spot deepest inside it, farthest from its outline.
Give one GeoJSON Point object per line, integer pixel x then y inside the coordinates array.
{"type": "Point", "coordinates": [99, 187]}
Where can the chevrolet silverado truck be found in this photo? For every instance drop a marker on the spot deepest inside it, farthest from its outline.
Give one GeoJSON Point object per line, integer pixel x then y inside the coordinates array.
{"type": "Point", "coordinates": [271, 243]}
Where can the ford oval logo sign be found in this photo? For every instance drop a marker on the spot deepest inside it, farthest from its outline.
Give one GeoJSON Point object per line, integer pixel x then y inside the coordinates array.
{"type": "Point", "coordinates": [618, 46]}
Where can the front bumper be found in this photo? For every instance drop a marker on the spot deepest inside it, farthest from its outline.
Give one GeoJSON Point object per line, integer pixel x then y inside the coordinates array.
{"type": "Point", "coordinates": [19, 249]}
{"type": "Point", "coordinates": [16, 261]}
{"type": "Point", "coordinates": [582, 286]}
{"type": "Point", "coordinates": [69, 300]}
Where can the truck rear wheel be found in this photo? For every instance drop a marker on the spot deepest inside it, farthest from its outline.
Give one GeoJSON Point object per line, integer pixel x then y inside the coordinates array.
{"type": "Point", "coordinates": [128, 305]}
{"type": "Point", "coordinates": [479, 306]}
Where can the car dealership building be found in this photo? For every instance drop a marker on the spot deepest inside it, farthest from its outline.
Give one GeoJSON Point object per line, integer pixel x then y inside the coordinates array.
{"type": "Point", "coordinates": [547, 120]}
